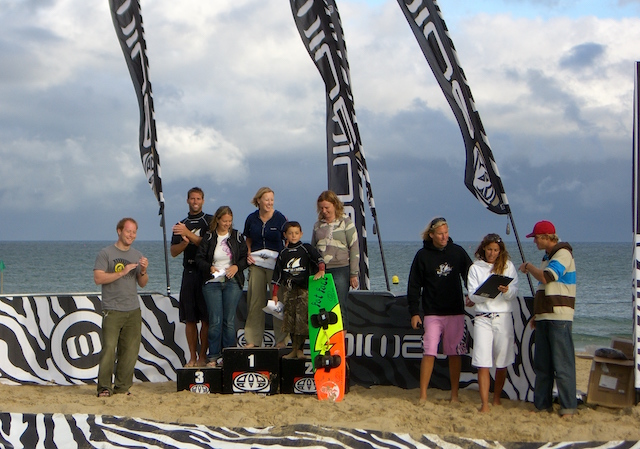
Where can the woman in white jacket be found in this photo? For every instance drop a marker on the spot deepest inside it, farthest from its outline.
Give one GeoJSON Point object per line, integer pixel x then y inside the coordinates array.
{"type": "Point", "coordinates": [493, 336]}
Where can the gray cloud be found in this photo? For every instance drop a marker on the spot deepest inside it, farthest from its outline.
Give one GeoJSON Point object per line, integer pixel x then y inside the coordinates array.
{"type": "Point", "coordinates": [239, 105]}
{"type": "Point", "coordinates": [582, 56]}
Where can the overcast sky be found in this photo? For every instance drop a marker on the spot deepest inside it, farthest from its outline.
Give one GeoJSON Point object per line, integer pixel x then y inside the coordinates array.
{"type": "Point", "coordinates": [239, 104]}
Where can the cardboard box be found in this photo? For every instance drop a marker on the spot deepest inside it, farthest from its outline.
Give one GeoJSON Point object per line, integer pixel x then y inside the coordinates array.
{"type": "Point", "coordinates": [296, 376]}
{"type": "Point", "coordinates": [611, 383]}
{"type": "Point", "coordinates": [251, 370]}
{"type": "Point", "coordinates": [200, 380]}
{"type": "Point", "coordinates": [623, 344]}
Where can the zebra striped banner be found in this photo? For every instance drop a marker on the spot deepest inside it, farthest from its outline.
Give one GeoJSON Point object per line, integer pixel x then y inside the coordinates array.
{"type": "Point", "coordinates": [127, 21]}
{"type": "Point", "coordinates": [481, 172]}
{"type": "Point", "coordinates": [56, 340]}
{"type": "Point", "coordinates": [99, 431]}
{"type": "Point", "coordinates": [320, 28]}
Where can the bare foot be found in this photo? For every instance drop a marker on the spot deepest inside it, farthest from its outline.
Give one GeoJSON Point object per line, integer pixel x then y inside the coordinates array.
{"type": "Point", "coordinates": [292, 355]}
{"type": "Point", "coordinates": [567, 416]}
{"type": "Point", "coordinates": [202, 361]}
{"type": "Point", "coordinates": [281, 345]}
{"type": "Point", "coordinates": [249, 345]}
{"type": "Point", "coordinates": [454, 400]}
{"type": "Point", "coordinates": [484, 409]}
{"type": "Point", "coordinates": [190, 364]}
{"type": "Point", "coordinates": [496, 401]}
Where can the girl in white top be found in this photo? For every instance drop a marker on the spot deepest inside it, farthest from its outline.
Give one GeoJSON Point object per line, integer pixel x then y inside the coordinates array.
{"type": "Point", "coordinates": [493, 336]}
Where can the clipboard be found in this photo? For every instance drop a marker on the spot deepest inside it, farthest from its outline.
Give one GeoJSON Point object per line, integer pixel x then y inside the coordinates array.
{"type": "Point", "coordinates": [489, 289]}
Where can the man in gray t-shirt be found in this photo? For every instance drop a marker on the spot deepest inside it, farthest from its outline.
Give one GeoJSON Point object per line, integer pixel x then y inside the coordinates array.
{"type": "Point", "coordinates": [119, 269]}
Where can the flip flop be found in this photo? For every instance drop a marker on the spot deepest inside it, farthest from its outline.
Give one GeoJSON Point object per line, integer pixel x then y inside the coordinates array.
{"type": "Point", "coordinates": [212, 364]}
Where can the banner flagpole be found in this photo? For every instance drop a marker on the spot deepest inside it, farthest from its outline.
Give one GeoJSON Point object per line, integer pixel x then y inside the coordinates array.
{"type": "Point", "coordinates": [515, 234]}
{"type": "Point", "coordinates": [2, 266]}
{"type": "Point", "coordinates": [127, 21]}
{"type": "Point", "coordinates": [166, 253]}
{"type": "Point", "coordinates": [635, 216]}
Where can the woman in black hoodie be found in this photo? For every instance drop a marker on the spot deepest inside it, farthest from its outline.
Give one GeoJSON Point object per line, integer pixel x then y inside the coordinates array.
{"type": "Point", "coordinates": [222, 258]}
{"type": "Point", "coordinates": [435, 283]}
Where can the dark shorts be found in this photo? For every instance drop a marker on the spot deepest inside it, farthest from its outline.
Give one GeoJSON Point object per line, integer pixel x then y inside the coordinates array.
{"type": "Point", "coordinates": [191, 305]}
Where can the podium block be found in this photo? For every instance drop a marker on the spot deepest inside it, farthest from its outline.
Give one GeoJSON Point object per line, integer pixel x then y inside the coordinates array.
{"type": "Point", "coordinates": [296, 376]}
{"type": "Point", "coordinates": [200, 380]}
{"type": "Point", "coordinates": [250, 370]}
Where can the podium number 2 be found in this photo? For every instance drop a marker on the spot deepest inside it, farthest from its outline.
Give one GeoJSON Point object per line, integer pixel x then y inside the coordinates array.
{"type": "Point", "coordinates": [252, 360]}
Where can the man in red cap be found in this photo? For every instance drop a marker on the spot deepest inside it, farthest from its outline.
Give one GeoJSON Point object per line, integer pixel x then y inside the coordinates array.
{"type": "Point", "coordinates": [553, 308]}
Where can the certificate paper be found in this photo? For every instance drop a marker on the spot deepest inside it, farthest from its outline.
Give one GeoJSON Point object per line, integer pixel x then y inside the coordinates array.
{"type": "Point", "coordinates": [265, 258]}
{"type": "Point", "coordinates": [277, 310]}
{"type": "Point", "coordinates": [218, 274]}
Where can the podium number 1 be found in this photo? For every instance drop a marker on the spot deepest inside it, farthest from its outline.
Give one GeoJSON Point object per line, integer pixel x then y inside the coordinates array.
{"type": "Point", "coordinates": [252, 360]}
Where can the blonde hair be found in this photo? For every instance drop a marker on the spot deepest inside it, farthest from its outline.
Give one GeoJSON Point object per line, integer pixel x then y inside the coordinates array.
{"type": "Point", "coordinates": [432, 226]}
{"type": "Point", "coordinates": [261, 191]}
{"type": "Point", "coordinates": [332, 198]}
{"type": "Point", "coordinates": [222, 210]}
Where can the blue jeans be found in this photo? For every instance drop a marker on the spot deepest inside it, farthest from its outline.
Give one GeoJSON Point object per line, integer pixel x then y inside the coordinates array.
{"type": "Point", "coordinates": [222, 299]}
{"type": "Point", "coordinates": [554, 358]}
{"type": "Point", "coordinates": [341, 279]}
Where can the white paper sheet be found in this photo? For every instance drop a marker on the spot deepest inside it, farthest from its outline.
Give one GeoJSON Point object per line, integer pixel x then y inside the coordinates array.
{"type": "Point", "coordinates": [277, 310]}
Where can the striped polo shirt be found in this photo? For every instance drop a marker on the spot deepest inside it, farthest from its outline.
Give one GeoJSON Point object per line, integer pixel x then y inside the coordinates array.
{"type": "Point", "coordinates": [556, 299]}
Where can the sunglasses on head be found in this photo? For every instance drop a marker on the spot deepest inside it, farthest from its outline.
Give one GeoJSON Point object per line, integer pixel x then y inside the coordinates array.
{"type": "Point", "coordinates": [437, 221]}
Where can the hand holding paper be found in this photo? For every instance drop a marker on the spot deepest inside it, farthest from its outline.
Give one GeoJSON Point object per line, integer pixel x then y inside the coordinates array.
{"type": "Point", "coordinates": [265, 258]}
{"type": "Point", "coordinates": [218, 274]}
{"type": "Point", "coordinates": [275, 309]}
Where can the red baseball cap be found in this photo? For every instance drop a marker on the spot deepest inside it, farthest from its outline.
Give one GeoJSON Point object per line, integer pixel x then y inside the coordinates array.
{"type": "Point", "coordinates": [542, 227]}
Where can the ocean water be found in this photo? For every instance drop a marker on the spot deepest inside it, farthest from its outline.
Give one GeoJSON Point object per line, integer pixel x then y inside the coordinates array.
{"type": "Point", "coordinates": [604, 306]}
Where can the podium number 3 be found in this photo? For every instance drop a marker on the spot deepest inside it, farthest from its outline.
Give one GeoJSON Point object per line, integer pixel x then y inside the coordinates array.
{"type": "Point", "coordinates": [252, 360]}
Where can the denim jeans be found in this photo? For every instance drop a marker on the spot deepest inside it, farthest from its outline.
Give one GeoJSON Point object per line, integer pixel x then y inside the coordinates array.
{"type": "Point", "coordinates": [342, 281]}
{"type": "Point", "coordinates": [222, 299]}
{"type": "Point", "coordinates": [554, 358]}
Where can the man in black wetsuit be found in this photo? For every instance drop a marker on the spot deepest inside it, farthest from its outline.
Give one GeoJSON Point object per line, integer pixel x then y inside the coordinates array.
{"type": "Point", "coordinates": [186, 237]}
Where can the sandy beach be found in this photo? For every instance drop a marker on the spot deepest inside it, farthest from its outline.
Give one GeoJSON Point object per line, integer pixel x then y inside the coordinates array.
{"type": "Point", "coordinates": [382, 408]}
